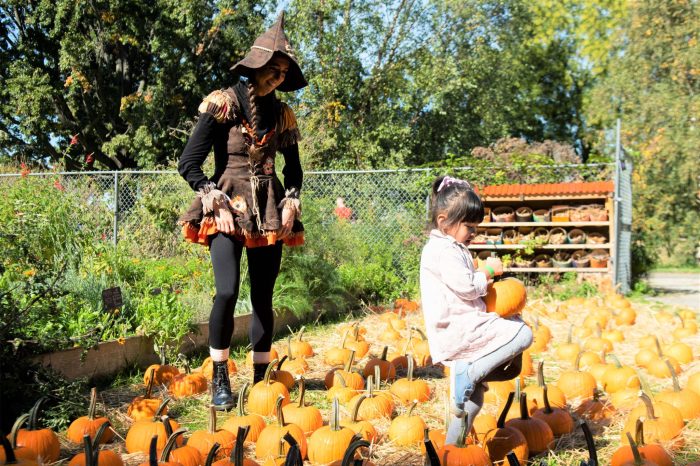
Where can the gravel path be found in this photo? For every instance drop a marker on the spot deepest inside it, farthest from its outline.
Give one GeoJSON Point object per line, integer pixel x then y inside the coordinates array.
{"type": "Point", "coordinates": [677, 288]}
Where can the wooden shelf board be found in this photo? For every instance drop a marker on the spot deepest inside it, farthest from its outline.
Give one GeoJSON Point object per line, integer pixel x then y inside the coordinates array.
{"type": "Point", "coordinates": [558, 269]}
{"type": "Point", "coordinates": [545, 246]}
{"type": "Point", "coordinates": [544, 198]}
{"type": "Point", "coordinates": [544, 224]}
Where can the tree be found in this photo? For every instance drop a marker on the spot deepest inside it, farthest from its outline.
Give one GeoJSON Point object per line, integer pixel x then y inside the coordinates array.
{"type": "Point", "coordinates": [653, 85]}
{"type": "Point", "coordinates": [113, 81]}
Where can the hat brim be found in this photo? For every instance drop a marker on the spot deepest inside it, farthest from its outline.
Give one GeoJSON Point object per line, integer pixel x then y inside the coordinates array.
{"type": "Point", "coordinates": [257, 58]}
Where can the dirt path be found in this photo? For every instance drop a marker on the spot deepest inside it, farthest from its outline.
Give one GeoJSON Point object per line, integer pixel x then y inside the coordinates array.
{"type": "Point", "coordinates": [681, 289]}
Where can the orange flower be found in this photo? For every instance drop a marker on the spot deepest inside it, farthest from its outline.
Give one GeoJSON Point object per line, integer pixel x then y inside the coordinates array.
{"type": "Point", "coordinates": [57, 184]}
{"type": "Point", "coordinates": [74, 139]}
{"type": "Point", "coordinates": [24, 170]}
{"type": "Point", "coordinates": [29, 273]}
{"type": "Point", "coordinates": [121, 340]}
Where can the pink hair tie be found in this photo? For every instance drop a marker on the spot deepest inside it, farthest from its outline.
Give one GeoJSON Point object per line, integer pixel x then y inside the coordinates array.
{"type": "Point", "coordinates": [449, 181]}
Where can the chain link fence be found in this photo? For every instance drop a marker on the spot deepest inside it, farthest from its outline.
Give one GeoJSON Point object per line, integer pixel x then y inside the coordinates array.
{"type": "Point", "coordinates": [388, 207]}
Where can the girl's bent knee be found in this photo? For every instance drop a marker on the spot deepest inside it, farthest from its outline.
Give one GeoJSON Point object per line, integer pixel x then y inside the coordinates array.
{"type": "Point", "coordinates": [524, 338]}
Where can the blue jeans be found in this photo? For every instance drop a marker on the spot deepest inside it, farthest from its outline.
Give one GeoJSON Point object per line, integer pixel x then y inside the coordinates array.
{"type": "Point", "coordinates": [501, 364]}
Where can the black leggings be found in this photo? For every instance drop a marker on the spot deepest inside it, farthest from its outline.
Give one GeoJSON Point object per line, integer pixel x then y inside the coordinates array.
{"type": "Point", "coordinates": [263, 267]}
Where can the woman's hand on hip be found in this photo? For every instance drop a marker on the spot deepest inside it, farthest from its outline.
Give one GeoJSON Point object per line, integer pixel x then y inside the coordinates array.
{"type": "Point", "coordinates": [288, 216]}
{"type": "Point", "coordinates": [224, 220]}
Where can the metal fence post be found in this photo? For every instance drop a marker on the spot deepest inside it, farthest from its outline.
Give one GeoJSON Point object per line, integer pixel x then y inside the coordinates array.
{"type": "Point", "coordinates": [116, 208]}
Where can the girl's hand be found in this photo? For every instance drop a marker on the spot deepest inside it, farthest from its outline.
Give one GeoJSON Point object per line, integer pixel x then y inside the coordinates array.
{"type": "Point", "coordinates": [288, 216]}
{"type": "Point", "coordinates": [224, 220]}
{"type": "Point", "coordinates": [495, 264]}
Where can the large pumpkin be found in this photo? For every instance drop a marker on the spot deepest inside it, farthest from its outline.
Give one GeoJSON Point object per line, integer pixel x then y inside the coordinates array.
{"type": "Point", "coordinates": [89, 424]}
{"type": "Point", "coordinates": [43, 441]}
{"type": "Point", "coordinates": [506, 297]}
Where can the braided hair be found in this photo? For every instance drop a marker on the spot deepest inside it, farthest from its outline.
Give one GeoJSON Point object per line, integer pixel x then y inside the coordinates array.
{"type": "Point", "coordinates": [254, 117]}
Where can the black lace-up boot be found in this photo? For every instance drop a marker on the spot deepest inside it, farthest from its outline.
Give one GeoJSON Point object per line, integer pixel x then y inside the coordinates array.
{"type": "Point", "coordinates": [221, 396]}
{"type": "Point", "coordinates": [259, 371]}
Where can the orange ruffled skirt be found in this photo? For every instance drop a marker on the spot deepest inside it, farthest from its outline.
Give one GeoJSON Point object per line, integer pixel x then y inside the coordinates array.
{"type": "Point", "coordinates": [200, 235]}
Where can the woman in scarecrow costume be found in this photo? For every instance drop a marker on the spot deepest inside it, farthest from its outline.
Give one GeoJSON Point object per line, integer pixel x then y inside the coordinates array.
{"type": "Point", "coordinates": [244, 205]}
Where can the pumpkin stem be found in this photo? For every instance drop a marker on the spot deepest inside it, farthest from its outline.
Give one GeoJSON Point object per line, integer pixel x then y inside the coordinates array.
{"type": "Point", "coordinates": [658, 347]}
{"type": "Point", "coordinates": [410, 410]}
{"type": "Point", "coordinates": [270, 366]}
{"type": "Point", "coordinates": [212, 420]}
{"type": "Point", "coordinates": [211, 456]}
{"type": "Point", "coordinates": [639, 432]}
{"type": "Point", "coordinates": [302, 390]}
{"type": "Point", "coordinates": [15, 429]}
{"type": "Point", "coordinates": [153, 452]}
{"type": "Point", "coordinates": [166, 425]}
{"type": "Point", "coordinates": [301, 332]}
{"type": "Point", "coordinates": [409, 374]}
{"type": "Point", "coordinates": [356, 408]}
{"type": "Point", "coordinates": [93, 403]}
{"type": "Point", "coordinates": [513, 459]}
{"type": "Point", "coordinates": [370, 386]}
{"type": "Point", "coordinates": [635, 451]}
{"type": "Point", "coordinates": [540, 374]}
{"type": "Point", "coordinates": [432, 458]}
{"type": "Point", "coordinates": [278, 409]}
{"type": "Point", "coordinates": [377, 377]}
{"type": "Point", "coordinates": [356, 331]}
{"type": "Point", "coordinates": [524, 414]}
{"type": "Point", "coordinates": [517, 388]}
{"type": "Point", "coordinates": [462, 439]}
{"type": "Point", "coordinates": [281, 361]}
{"type": "Point", "coordinates": [89, 454]}
{"type": "Point", "coordinates": [340, 379]}
{"type": "Point", "coordinates": [674, 376]}
{"type": "Point", "coordinates": [241, 397]}
{"type": "Point", "coordinates": [384, 353]}
{"type": "Point", "coordinates": [237, 452]}
{"type": "Point", "coordinates": [547, 407]}
{"type": "Point", "coordinates": [590, 444]}
{"type": "Point", "coordinates": [420, 332]}
{"type": "Point", "coordinates": [10, 457]}
{"type": "Point", "coordinates": [345, 337]}
{"type": "Point", "coordinates": [335, 415]}
{"type": "Point", "coordinates": [569, 339]}
{"type": "Point", "coordinates": [171, 443]}
{"type": "Point", "coordinates": [502, 418]}
{"type": "Point", "coordinates": [349, 455]}
{"type": "Point", "coordinates": [350, 361]}
{"type": "Point", "coordinates": [160, 409]}
{"type": "Point", "coordinates": [34, 413]}
{"type": "Point", "coordinates": [615, 359]}
{"type": "Point", "coordinates": [289, 348]}
{"type": "Point", "coordinates": [577, 363]}
{"type": "Point", "coordinates": [98, 435]}
{"type": "Point", "coordinates": [408, 340]}
{"type": "Point", "coordinates": [650, 406]}
{"type": "Point", "coordinates": [161, 353]}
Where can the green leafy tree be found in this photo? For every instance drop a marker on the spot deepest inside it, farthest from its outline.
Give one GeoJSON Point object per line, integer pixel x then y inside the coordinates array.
{"type": "Point", "coordinates": [653, 85]}
{"type": "Point", "coordinates": [113, 81]}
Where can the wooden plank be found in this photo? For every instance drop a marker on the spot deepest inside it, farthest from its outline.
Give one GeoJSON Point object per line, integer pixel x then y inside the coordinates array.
{"type": "Point", "coordinates": [506, 247]}
{"type": "Point", "coordinates": [544, 198]}
{"type": "Point", "coordinates": [557, 269]}
{"type": "Point", "coordinates": [543, 224]}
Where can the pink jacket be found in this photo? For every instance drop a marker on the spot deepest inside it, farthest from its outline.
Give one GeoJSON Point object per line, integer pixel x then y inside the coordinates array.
{"type": "Point", "coordinates": [456, 321]}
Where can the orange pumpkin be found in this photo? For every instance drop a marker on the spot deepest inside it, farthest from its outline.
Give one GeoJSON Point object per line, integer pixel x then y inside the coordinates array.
{"type": "Point", "coordinates": [363, 428]}
{"type": "Point", "coordinates": [569, 350]}
{"type": "Point", "coordinates": [687, 401]}
{"type": "Point", "coordinates": [92, 455]}
{"type": "Point", "coordinates": [268, 443]}
{"type": "Point", "coordinates": [656, 429]}
{"type": "Point", "coordinates": [20, 453]}
{"type": "Point", "coordinates": [153, 455]}
{"type": "Point", "coordinates": [307, 417]}
{"type": "Point", "coordinates": [43, 441]}
{"type": "Point", "coordinates": [9, 457]}
{"type": "Point", "coordinates": [236, 458]}
{"type": "Point", "coordinates": [619, 377]}
{"type": "Point", "coordinates": [254, 422]}
{"type": "Point", "coordinates": [162, 373]}
{"type": "Point", "coordinates": [374, 406]}
{"type": "Point", "coordinates": [351, 378]}
{"type": "Point", "coordinates": [301, 348]}
{"type": "Point", "coordinates": [138, 438]}
{"type": "Point", "coordinates": [330, 442]}
{"type": "Point", "coordinates": [187, 383]}
{"type": "Point", "coordinates": [407, 429]}
{"type": "Point", "coordinates": [89, 424]}
{"type": "Point", "coordinates": [538, 434]}
{"type": "Point", "coordinates": [559, 420]}
{"type": "Point", "coordinates": [462, 453]}
{"type": "Point", "coordinates": [652, 452]}
{"type": "Point", "coordinates": [504, 439]}
{"type": "Point", "coordinates": [294, 365]}
{"type": "Point", "coordinates": [535, 393]}
{"type": "Point", "coordinates": [577, 383]}
{"type": "Point", "coordinates": [203, 440]}
{"type": "Point", "coordinates": [506, 297]}
{"type": "Point", "coordinates": [263, 396]}
{"type": "Point", "coordinates": [387, 369]}
{"type": "Point", "coordinates": [408, 389]}
{"type": "Point", "coordinates": [186, 455]}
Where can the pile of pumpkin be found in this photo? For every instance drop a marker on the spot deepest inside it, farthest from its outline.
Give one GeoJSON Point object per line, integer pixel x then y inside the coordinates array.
{"type": "Point", "coordinates": [389, 410]}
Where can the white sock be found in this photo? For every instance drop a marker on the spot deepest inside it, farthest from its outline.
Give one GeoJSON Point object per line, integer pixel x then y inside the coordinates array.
{"type": "Point", "coordinates": [218, 355]}
{"type": "Point", "coordinates": [260, 357]}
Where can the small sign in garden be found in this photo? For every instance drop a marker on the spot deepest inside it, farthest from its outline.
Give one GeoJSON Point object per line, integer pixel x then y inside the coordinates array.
{"type": "Point", "coordinates": [112, 298]}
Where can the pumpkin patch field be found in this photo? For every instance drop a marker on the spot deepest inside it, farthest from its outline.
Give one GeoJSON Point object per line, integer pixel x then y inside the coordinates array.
{"type": "Point", "coordinates": [607, 381]}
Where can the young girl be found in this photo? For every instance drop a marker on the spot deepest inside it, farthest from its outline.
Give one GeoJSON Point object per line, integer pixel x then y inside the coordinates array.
{"type": "Point", "coordinates": [478, 346]}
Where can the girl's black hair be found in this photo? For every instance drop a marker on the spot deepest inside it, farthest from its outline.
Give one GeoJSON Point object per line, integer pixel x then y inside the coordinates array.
{"type": "Point", "coordinates": [458, 201]}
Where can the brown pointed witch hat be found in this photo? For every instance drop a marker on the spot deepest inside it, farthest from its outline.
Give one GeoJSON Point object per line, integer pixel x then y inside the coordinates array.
{"type": "Point", "coordinates": [272, 41]}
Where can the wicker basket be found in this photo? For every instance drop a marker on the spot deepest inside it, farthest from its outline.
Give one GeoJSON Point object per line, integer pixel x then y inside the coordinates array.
{"type": "Point", "coordinates": [541, 234]}
{"type": "Point", "coordinates": [511, 236]}
{"type": "Point", "coordinates": [557, 235]}
{"type": "Point", "coordinates": [580, 259]}
{"type": "Point", "coordinates": [523, 214]}
{"type": "Point", "coordinates": [494, 236]}
{"type": "Point", "coordinates": [560, 213]}
{"type": "Point", "coordinates": [503, 214]}
{"type": "Point", "coordinates": [576, 236]}
{"type": "Point", "coordinates": [597, 238]}
{"type": "Point", "coordinates": [597, 213]}
{"type": "Point", "coordinates": [541, 215]}
{"type": "Point", "coordinates": [580, 214]}
{"type": "Point", "coordinates": [543, 261]}
{"type": "Point", "coordinates": [562, 259]}
{"type": "Point", "coordinates": [599, 258]}
{"type": "Point", "coordinates": [523, 262]}
{"type": "Point", "coordinates": [525, 233]}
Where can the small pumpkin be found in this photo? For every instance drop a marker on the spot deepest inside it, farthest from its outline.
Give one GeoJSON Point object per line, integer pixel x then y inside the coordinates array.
{"type": "Point", "coordinates": [187, 383]}
{"type": "Point", "coordinates": [680, 351]}
{"type": "Point", "coordinates": [294, 365]}
{"type": "Point", "coordinates": [305, 416]}
{"type": "Point", "coordinates": [43, 441]}
{"type": "Point", "coordinates": [340, 390]}
{"type": "Point", "coordinates": [358, 344]}
{"type": "Point", "coordinates": [145, 407]}
{"type": "Point", "coordinates": [506, 297]}
{"type": "Point", "coordinates": [89, 424]}
{"type": "Point", "coordinates": [20, 453]}
{"type": "Point", "coordinates": [162, 373]}
{"type": "Point", "coordinates": [536, 392]}
{"type": "Point", "coordinates": [657, 428]}
{"type": "Point", "coordinates": [254, 422]}
{"type": "Point", "coordinates": [364, 429]}
{"type": "Point", "coordinates": [236, 458]}
{"type": "Point", "coordinates": [408, 389]}
{"type": "Point", "coordinates": [537, 432]}
{"type": "Point", "coordinates": [338, 356]}
{"type": "Point", "coordinates": [596, 409]}
{"type": "Point", "coordinates": [504, 439]}
{"type": "Point", "coordinates": [284, 377]}
{"type": "Point", "coordinates": [330, 442]}
{"type": "Point", "coordinates": [139, 436]}
{"type": "Point", "coordinates": [153, 455]}
{"type": "Point", "coordinates": [652, 452]}
{"type": "Point", "coordinates": [462, 453]}
{"type": "Point", "coordinates": [374, 406]}
{"type": "Point", "coordinates": [407, 429]}
{"type": "Point", "coordinates": [351, 378]}
{"type": "Point", "coordinates": [301, 348]}
{"type": "Point", "coordinates": [203, 439]}
{"type": "Point", "coordinates": [559, 420]}
{"type": "Point", "coordinates": [577, 383]}
{"type": "Point", "coordinates": [387, 369]}
{"type": "Point", "coordinates": [92, 455]}
{"type": "Point", "coordinates": [693, 383]}
{"type": "Point", "coordinates": [268, 443]}
{"type": "Point", "coordinates": [9, 457]}
{"type": "Point", "coordinates": [264, 394]}
{"type": "Point", "coordinates": [619, 377]}
{"type": "Point", "coordinates": [687, 401]}
{"type": "Point", "coordinates": [569, 350]}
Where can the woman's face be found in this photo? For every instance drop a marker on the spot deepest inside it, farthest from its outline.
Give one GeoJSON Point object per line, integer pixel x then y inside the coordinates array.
{"type": "Point", "coordinates": [271, 75]}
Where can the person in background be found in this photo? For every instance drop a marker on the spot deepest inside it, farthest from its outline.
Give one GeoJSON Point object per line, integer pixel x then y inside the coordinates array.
{"type": "Point", "coordinates": [478, 346]}
{"type": "Point", "coordinates": [342, 211]}
{"type": "Point", "coordinates": [244, 205]}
